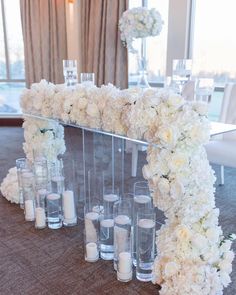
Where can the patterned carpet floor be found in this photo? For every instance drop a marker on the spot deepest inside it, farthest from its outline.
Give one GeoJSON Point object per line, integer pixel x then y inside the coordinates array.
{"type": "Point", "coordinates": [52, 261]}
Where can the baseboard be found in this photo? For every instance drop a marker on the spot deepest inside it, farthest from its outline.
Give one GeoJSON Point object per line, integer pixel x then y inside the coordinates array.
{"type": "Point", "coordinates": [12, 122]}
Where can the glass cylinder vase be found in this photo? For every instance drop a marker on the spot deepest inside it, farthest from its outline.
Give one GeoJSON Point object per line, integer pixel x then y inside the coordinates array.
{"type": "Point", "coordinates": [57, 177]}
{"type": "Point", "coordinates": [54, 214]}
{"type": "Point", "coordinates": [69, 208]}
{"type": "Point", "coordinates": [40, 212]}
{"type": "Point", "coordinates": [91, 231]}
{"type": "Point", "coordinates": [142, 81]}
{"type": "Point", "coordinates": [70, 72]}
{"type": "Point", "coordinates": [145, 244]}
{"type": "Point", "coordinates": [41, 172]}
{"type": "Point", "coordinates": [22, 166]}
{"type": "Point", "coordinates": [122, 228]}
{"type": "Point", "coordinates": [28, 188]}
{"type": "Point", "coordinates": [142, 202]}
{"type": "Point", "coordinates": [110, 196]}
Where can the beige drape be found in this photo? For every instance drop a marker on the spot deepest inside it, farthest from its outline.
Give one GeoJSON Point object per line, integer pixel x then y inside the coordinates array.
{"type": "Point", "coordinates": [44, 34]}
{"type": "Point", "coordinates": [101, 50]}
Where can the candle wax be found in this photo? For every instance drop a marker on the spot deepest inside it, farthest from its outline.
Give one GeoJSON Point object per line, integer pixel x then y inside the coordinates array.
{"type": "Point", "coordinates": [92, 251]}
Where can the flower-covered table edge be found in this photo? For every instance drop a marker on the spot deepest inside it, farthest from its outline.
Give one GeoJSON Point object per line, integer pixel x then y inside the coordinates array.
{"type": "Point", "coordinates": [193, 255]}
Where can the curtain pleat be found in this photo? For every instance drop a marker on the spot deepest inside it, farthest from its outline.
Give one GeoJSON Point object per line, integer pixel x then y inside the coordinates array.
{"type": "Point", "coordinates": [102, 51]}
{"type": "Point", "coordinates": [45, 43]}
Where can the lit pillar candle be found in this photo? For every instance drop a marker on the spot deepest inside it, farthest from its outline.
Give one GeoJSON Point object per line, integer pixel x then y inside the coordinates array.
{"type": "Point", "coordinates": [92, 252]}
{"type": "Point", "coordinates": [124, 272]}
{"type": "Point", "coordinates": [29, 210]}
{"type": "Point", "coordinates": [68, 205]}
{"type": "Point", "coordinates": [90, 230]}
{"type": "Point", "coordinates": [121, 234]}
{"type": "Point", "coordinates": [40, 217]}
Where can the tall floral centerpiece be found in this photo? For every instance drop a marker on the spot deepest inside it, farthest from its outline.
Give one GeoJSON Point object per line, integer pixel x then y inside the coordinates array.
{"type": "Point", "coordinates": [140, 22]}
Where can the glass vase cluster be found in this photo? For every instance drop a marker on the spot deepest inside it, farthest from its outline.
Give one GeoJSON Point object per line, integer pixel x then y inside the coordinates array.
{"type": "Point", "coordinates": [121, 227]}
{"type": "Point", "coordinates": [43, 195]}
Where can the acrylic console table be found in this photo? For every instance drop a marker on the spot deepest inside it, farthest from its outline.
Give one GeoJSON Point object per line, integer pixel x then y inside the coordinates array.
{"type": "Point", "coordinates": [93, 156]}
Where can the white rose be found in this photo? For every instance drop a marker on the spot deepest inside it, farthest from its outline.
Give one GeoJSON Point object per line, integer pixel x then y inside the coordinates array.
{"type": "Point", "coordinates": [176, 189]}
{"type": "Point", "coordinates": [178, 161]}
{"type": "Point", "coordinates": [212, 255]}
{"type": "Point", "coordinates": [201, 108]}
{"type": "Point", "coordinates": [198, 134]}
{"type": "Point", "coordinates": [171, 268]}
{"type": "Point", "coordinates": [212, 218]}
{"type": "Point", "coordinates": [225, 247]}
{"type": "Point", "coordinates": [164, 186]}
{"type": "Point", "coordinates": [155, 180]}
{"type": "Point", "coordinates": [199, 241]}
{"type": "Point", "coordinates": [229, 256]}
{"type": "Point", "coordinates": [168, 135]}
{"type": "Point", "coordinates": [213, 234]}
{"type": "Point", "coordinates": [225, 266]}
{"type": "Point", "coordinates": [183, 233]}
{"type": "Point", "coordinates": [148, 171]}
{"type": "Point", "coordinates": [82, 103]}
{"type": "Point", "coordinates": [92, 110]}
{"type": "Point", "coordinates": [175, 101]}
{"type": "Point", "coordinates": [225, 278]}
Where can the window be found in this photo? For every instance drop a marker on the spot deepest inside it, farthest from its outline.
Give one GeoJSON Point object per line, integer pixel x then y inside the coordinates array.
{"type": "Point", "coordinates": [156, 47]}
{"type": "Point", "coordinates": [213, 45]}
{"type": "Point", "coordinates": [213, 42]}
{"type": "Point", "coordinates": [12, 74]}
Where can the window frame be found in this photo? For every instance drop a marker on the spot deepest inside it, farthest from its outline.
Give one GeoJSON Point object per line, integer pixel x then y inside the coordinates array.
{"type": "Point", "coordinates": [8, 76]}
{"type": "Point", "coordinates": [192, 13]}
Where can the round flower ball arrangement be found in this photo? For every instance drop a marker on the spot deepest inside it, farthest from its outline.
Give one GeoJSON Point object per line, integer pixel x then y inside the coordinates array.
{"type": "Point", "coordinates": [140, 23]}
{"type": "Point", "coordinates": [193, 256]}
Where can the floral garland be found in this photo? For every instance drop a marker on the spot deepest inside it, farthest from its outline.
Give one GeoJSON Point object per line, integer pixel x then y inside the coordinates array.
{"type": "Point", "coordinates": [139, 22]}
{"type": "Point", "coordinates": [42, 137]}
{"type": "Point", "coordinates": [193, 255]}
{"type": "Point", "coordinates": [9, 186]}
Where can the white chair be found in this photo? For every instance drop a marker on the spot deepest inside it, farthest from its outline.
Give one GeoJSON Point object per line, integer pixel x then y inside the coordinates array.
{"type": "Point", "coordinates": [188, 90]}
{"type": "Point", "coordinates": [221, 149]}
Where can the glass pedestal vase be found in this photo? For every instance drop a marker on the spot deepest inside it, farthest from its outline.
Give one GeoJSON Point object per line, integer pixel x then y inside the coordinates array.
{"type": "Point", "coordinates": [142, 80]}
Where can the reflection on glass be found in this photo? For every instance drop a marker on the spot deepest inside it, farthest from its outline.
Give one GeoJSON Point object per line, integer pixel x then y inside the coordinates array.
{"type": "Point", "coordinates": [204, 88]}
{"type": "Point", "coordinates": [181, 72]}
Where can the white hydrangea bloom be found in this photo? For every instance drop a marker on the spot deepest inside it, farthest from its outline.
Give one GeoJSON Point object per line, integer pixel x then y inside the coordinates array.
{"type": "Point", "coordinates": [9, 187]}
{"type": "Point", "coordinates": [139, 22]}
